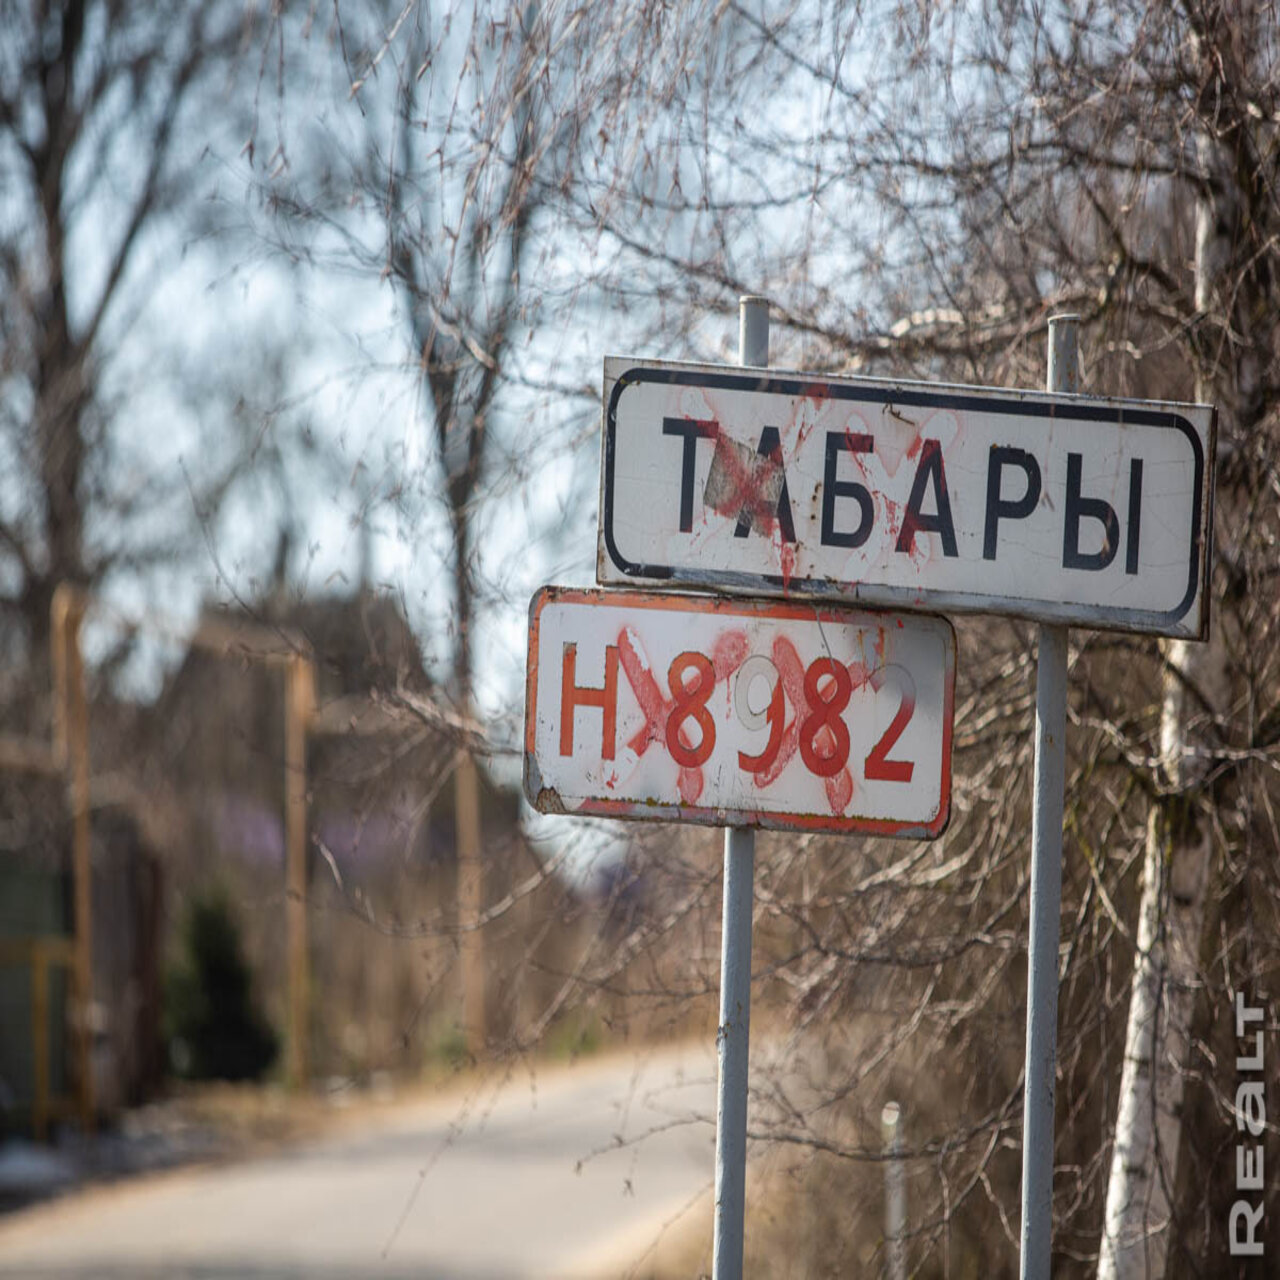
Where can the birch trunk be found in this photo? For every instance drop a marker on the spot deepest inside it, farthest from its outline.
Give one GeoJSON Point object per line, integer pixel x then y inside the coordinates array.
{"type": "Point", "coordinates": [1140, 1188]}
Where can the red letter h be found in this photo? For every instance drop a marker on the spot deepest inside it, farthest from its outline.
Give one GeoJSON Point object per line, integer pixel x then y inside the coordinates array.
{"type": "Point", "coordinates": [572, 696]}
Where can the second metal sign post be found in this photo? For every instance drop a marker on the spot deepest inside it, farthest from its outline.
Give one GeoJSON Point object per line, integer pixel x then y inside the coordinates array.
{"type": "Point", "coordinates": [733, 1034]}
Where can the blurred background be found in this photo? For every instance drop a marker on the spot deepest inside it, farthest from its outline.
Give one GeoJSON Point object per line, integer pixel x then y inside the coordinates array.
{"type": "Point", "coordinates": [302, 315]}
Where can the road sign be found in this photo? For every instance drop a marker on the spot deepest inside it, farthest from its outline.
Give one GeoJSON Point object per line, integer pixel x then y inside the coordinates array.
{"type": "Point", "coordinates": [796, 716]}
{"type": "Point", "coordinates": [1067, 509]}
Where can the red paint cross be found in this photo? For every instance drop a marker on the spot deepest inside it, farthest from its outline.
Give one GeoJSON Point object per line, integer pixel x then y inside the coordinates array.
{"type": "Point", "coordinates": [729, 652]}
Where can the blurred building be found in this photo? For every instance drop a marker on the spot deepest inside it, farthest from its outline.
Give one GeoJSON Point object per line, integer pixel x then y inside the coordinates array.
{"type": "Point", "coordinates": [188, 794]}
{"type": "Point", "coordinates": [381, 832]}
{"type": "Point", "coordinates": [36, 1077]}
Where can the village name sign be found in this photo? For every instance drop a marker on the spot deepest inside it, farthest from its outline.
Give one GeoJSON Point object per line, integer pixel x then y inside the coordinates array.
{"type": "Point", "coordinates": [1087, 511]}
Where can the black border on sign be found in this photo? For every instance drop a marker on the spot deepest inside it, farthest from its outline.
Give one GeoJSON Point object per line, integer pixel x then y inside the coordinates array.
{"type": "Point", "coordinates": [898, 394]}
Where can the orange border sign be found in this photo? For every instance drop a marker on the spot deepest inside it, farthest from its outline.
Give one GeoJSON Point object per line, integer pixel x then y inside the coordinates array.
{"type": "Point", "coordinates": [794, 716]}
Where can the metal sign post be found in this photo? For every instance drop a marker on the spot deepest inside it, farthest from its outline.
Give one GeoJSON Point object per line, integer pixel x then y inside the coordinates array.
{"type": "Point", "coordinates": [1046, 891]}
{"type": "Point", "coordinates": [895, 1193]}
{"type": "Point", "coordinates": [734, 1031]}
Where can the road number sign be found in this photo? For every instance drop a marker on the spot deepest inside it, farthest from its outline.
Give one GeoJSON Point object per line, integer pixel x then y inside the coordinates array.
{"type": "Point", "coordinates": [735, 712]}
{"type": "Point", "coordinates": [1062, 508]}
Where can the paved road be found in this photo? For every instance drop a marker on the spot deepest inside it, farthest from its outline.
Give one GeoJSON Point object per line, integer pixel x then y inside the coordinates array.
{"type": "Point", "coordinates": [485, 1186]}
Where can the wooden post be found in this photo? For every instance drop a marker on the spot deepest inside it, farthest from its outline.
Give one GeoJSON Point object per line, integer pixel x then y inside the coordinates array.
{"type": "Point", "coordinates": [299, 699]}
{"type": "Point", "coordinates": [71, 746]}
{"type": "Point", "coordinates": [39, 1041]}
{"type": "Point", "coordinates": [470, 902]}
{"type": "Point", "coordinates": [58, 613]}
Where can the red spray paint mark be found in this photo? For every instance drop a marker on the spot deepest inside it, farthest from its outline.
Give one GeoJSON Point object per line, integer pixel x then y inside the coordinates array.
{"type": "Point", "coordinates": [896, 517]}
{"type": "Point", "coordinates": [891, 513]}
{"type": "Point", "coordinates": [735, 486]}
{"type": "Point", "coordinates": [751, 488]}
{"type": "Point", "coordinates": [818, 395]}
{"type": "Point", "coordinates": [787, 562]}
{"type": "Point", "coordinates": [854, 442]}
{"type": "Point", "coordinates": [641, 679]}
{"type": "Point", "coordinates": [728, 654]}
{"type": "Point", "coordinates": [839, 790]}
{"type": "Point", "coordinates": [803, 427]}
{"type": "Point", "coordinates": [895, 445]}
{"type": "Point", "coordinates": [791, 673]}
{"type": "Point", "coordinates": [839, 787]}
{"type": "Point", "coordinates": [689, 783]}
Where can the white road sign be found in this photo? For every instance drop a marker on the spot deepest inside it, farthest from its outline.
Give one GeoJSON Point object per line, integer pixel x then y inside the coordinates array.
{"type": "Point", "coordinates": [1068, 509]}
{"type": "Point", "coordinates": [797, 716]}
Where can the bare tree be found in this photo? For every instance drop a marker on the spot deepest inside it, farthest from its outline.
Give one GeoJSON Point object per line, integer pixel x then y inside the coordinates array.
{"type": "Point", "coordinates": [458, 244]}
{"type": "Point", "coordinates": [427, 186]}
{"type": "Point", "coordinates": [1223, 58]}
{"type": "Point", "coordinates": [100, 132]}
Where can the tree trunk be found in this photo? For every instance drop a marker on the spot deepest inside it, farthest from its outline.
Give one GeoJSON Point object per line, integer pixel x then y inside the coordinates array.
{"type": "Point", "coordinates": [1175, 881]}
{"type": "Point", "coordinates": [466, 797]}
{"type": "Point", "coordinates": [1140, 1188]}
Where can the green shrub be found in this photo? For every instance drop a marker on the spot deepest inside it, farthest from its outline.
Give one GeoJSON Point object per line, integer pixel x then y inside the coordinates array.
{"type": "Point", "coordinates": [213, 1027]}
